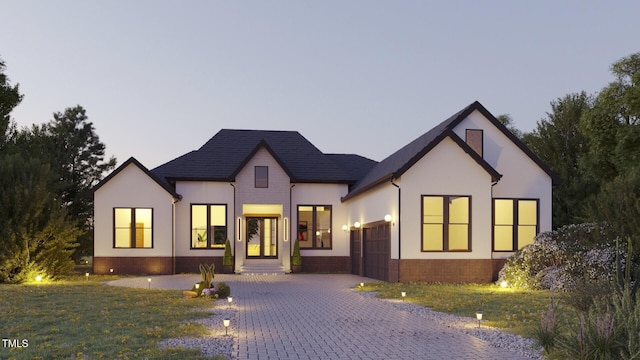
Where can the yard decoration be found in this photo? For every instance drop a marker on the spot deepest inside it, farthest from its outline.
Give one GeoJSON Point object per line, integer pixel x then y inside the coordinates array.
{"type": "Point", "coordinates": [227, 258]}
{"type": "Point", "coordinates": [296, 259]}
{"type": "Point", "coordinates": [207, 274]}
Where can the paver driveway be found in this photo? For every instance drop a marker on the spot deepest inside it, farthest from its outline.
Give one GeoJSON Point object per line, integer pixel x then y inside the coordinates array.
{"type": "Point", "coordinates": [309, 316]}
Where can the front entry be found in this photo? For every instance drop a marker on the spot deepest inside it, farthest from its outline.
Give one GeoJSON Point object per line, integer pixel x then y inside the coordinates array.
{"type": "Point", "coordinates": [262, 237]}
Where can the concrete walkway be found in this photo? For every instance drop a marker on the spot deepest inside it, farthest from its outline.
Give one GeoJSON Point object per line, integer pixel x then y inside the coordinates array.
{"type": "Point", "coordinates": [309, 316]}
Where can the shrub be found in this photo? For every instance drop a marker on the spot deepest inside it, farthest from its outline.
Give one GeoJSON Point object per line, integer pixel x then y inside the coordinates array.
{"type": "Point", "coordinates": [222, 290]}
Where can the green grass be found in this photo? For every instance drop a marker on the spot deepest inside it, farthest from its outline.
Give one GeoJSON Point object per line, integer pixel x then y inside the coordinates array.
{"type": "Point", "coordinates": [511, 310]}
{"type": "Point", "coordinates": [75, 318]}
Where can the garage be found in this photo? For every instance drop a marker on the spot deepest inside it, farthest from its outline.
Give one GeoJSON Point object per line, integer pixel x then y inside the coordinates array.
{"type": "Point", "coordinates": [376, 248]}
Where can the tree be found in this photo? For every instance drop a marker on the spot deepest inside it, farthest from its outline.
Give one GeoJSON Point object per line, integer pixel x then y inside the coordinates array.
{"type": "Point", "coordinates": [611, 125]}
{"type": "Point", "coordinates": [36, 237]}
{"type": "Point", "coordinates": [10, 97]}
{"type": "Point", "coordinates": [559, 144]}
{"type": "Point", "coordinates": [508, 122]}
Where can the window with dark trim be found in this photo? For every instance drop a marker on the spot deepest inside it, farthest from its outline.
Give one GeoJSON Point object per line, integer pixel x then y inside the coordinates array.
{"type": "Point", "coordinates": [132, 228]}
{"type": "Point", "coordinates": [474, 140]}
{"type": "Point", "coordinates": [262, 176]}
{"type": "Point", "coordinates": [446, 223]}
{"type": "Point", "coordinates": [208, 226]}
{"type": "Point", "coordinates": [515, 223]}
{"type": "Point", "coordinates": [314, 226]}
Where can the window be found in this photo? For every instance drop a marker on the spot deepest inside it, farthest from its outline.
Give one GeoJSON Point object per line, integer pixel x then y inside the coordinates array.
{"type": "Point", "coordinates": [314, 226]}
{"type": "Point", "coordinates": [515, 223]}
{"type": "Point", "coordinates": [262, 176]}
{"type": "Point", "coordinates": [208, 226]}
{"type": "Point", "coordinates": [474, 140]}
{"type": "Point", "coordinates": [446, 223]}
{"type": "Point", "coordinates": [133, 228]}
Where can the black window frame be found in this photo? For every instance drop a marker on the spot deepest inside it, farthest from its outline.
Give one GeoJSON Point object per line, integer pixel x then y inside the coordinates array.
{"type": "Point", "coordinates": [210, 232]}
{"type": "Point", "coordinates": [261, 180]}
{"type": "Point", "coordinates": [314, 226]}
{"type": "Point", "coordinates": [446, 223]}
{"type": "Point", "coordinates": [131, 228]}
{"type": "Point", "coordinates": [514, 225]}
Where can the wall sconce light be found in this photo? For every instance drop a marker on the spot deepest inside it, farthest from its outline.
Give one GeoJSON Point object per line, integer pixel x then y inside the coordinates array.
{"type": "Point", "coordinates": [403, 294]}
{"type": "Point", "coordinates": [479, 317]}
{"type": "Point", "coordinates": [226, 323]}
{"type": "Point", "coordinates": [345, 227]}
{"type": "Point", "coordinates": [149, 281]}
{"type": "Point", "coordinates": [356, 225]}
{"type": "Point", "coordinates": [239, 229]}
{"type": "Point", "coordinates": [286, 229]}
{"type": "Point", "coordinates": [86, 275]}
{"type": "Point", "coordinates": [388, 218]}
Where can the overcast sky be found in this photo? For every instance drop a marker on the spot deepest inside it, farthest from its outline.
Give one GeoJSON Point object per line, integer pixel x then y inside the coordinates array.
{"type": "Point", "coordinates": [159, 78]}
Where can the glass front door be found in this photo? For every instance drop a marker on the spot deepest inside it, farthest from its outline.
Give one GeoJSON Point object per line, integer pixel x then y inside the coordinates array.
{"type": "Point", "coordinates": [262, 237]}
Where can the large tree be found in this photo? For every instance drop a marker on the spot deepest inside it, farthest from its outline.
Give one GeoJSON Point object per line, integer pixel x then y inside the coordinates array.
{"type": "Point", "coordinates": [10, 97]}
{"type": "Point", "coordinates": [558, 142]}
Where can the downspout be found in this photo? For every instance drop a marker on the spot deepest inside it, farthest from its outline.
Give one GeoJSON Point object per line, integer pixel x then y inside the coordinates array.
{"type": "Point", "coordinates": [235, 226]}
{"type": "Point", "coordinates": [399, 227]}
{"type": "Point", "coordinates": [173, 234]}
{"type": "Point", "coordinates": [290, 219]}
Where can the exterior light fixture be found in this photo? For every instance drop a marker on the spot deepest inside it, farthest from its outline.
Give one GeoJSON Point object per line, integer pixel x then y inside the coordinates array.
{"type": "Point", "coordinates": [361, 284]}
{"type": "Point", "coordinates": [356, 225]}
{"type": "Point", "coordinates": [86, 275]}
{"type": "Point", "coordinates": [111, 270]}
{"type": "Point", "coordinates": [503, 284]}
{"type": "Point", "coordinates": [403, 295]}
{"type": "Point", "coordinates": [226, 323]}
{"type": "Point", "coordinates": [197, 286]}
{"type": "Point", "coordinates": [149, 281]}
{"type": "Point", "coordinates": [345, 227]}
{"type": "Point", "coordinates": [388, 218]}
{"type": "Point", "coordinates": [39, 278]}
{"type": "Point", "coordinates": [479, 317]}
{"type": "Point", "coordinates": [229, 301]}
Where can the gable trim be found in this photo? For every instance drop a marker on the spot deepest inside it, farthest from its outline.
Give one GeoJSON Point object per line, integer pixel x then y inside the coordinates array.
{"type": "Point", "coordinates": [261, 144]}
{"type": "Point", "coordinates": [151, 175]}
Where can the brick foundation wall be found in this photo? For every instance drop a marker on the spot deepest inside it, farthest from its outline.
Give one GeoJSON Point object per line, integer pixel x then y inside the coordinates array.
{"type": "Point", "coordinates": [133, 265]}
{"type": "Point", "coordinates": [324, 264]}
{"type": "Point", "coordinates": [191, 264]}
{"type": "Point", "coordinates": [451, 271]}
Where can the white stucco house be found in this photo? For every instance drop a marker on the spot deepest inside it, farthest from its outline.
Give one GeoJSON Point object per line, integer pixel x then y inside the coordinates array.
{"type": "Point", "coordinates": [451, 205]}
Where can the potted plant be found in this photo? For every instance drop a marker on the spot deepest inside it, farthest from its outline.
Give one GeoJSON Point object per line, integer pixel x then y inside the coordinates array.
{"type": "Point", "coordinates": [296, 259]}
{"type": "Point", "coordinates": [227, 259]}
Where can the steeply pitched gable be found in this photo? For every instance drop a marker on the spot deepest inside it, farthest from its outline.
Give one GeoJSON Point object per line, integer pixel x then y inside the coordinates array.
{"type": "Point", "coordinates": [399, 162]}
{"type": "Point", "coordinates": [132, 161]}
{"type": "Point", "coordinates": [224, 155]}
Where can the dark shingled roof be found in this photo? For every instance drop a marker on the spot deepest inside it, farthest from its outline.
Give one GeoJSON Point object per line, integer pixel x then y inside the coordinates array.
{"type": "Point", "coordinates": [226, 153]}
{"type": "Point", "coordinates": [355, 165]}
{"type": "Point", "coordinates": [397, 163]}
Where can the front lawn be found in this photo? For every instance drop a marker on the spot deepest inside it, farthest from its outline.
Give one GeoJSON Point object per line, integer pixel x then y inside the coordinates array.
{"type": "Point", "coordinates": [512, 310]}
{"type": "Point", "coordinates": [77, 318]}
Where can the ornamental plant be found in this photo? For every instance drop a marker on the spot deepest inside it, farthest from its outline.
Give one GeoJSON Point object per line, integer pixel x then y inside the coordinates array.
{"type": "Point", "coordinates": [207, 274]}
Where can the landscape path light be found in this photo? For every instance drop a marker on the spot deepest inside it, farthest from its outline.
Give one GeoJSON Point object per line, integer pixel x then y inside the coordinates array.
{"type": "Point", "coordinates": [479, 317]}
{"type": "Point", "coordinates": [404, 293]}
{"type": "Point", "coordinates": [361, 284]}
{"type": "Point", "coordinates": [149, 281]}
{"type": "Point", "coordinates": [87, 276]}
{"type": "Point", "coordinates": [229, 301]}
{"type": "Point", "coordinates": [226, 323]}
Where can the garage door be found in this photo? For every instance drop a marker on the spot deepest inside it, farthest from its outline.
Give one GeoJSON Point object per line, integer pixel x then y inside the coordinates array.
{"type": "Point", "coordinates": [377, 251]}
{"type": "Point", "coordinates": [356, 253]}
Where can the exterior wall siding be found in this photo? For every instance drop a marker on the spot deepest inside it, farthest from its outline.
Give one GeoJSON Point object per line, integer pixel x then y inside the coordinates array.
{"type": "Point", "coordinates": [146, 193]}
{"type": "Point", "coordinates": [147, 265]}
{"type": "Point", "coordinates": [450, 270]}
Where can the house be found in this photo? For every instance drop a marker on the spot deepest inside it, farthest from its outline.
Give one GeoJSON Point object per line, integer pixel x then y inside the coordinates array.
{"type": "Point", "coordinates": [450, 206]}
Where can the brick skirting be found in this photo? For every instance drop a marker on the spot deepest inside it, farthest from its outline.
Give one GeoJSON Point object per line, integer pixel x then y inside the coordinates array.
{"type": "Point", "coordinates": [325, 264]}
{"type": "Point", "coordinates": [133, 265]}
{"type": "Point", "coordinates": [451, 271]}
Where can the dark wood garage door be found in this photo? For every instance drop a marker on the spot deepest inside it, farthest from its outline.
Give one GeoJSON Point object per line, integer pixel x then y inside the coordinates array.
{"type": "Point", "coordinates": [356, 253]}
{"type": "Point", "coordinates": [377, 251]}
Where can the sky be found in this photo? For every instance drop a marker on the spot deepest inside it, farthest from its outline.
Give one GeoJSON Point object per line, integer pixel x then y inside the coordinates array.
{"type": "Point", "coordinates": [159, 78]}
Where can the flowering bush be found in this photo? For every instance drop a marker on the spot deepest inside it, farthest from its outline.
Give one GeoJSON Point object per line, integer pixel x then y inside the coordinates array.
{"type": "Point", "coordinates": [564, 258]}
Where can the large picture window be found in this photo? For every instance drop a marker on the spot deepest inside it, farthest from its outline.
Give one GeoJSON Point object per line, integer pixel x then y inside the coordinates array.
{"type": "Point", "coordinates": [132, 228]}
{"type": "Point", "coordinates": [446, 224]}
{"type": "Point", "coordinates": [208, 226]}
{"type": "Point", "coordinates": [314, 226]}
{"type": "Point", "coordinates": [515, 223]}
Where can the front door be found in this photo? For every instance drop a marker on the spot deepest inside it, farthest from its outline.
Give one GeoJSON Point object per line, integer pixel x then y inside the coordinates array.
{"type": "Point", "coordinates": [262, 237]}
